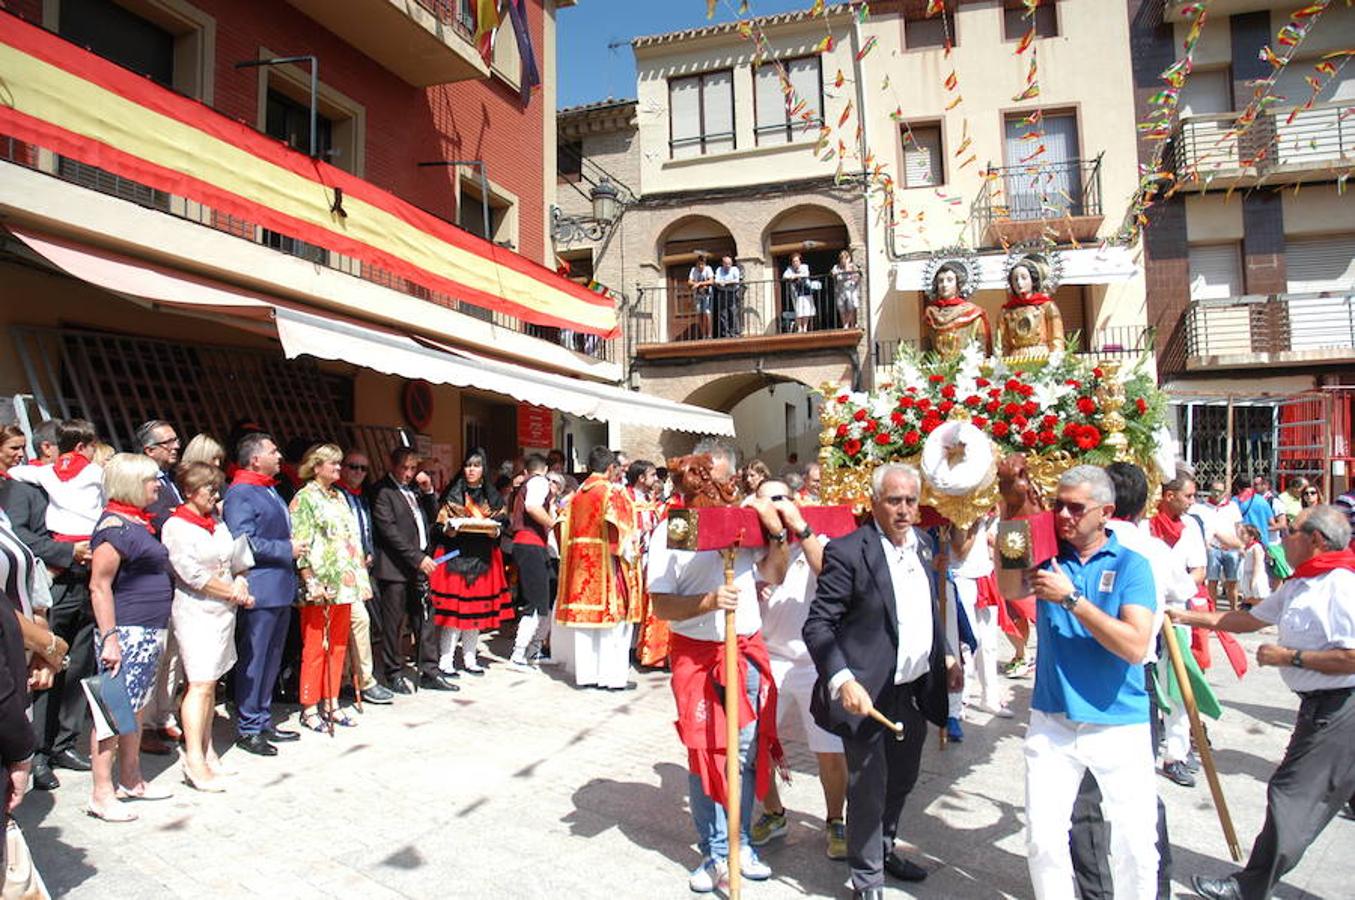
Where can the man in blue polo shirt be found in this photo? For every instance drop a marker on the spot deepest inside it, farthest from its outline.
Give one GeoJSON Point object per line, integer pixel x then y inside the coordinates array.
{"type": "Point", "coordinates": [1090, 707]}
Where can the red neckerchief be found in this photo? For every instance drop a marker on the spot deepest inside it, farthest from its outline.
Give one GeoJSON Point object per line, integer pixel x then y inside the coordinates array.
{"type": "Point", "coordinates": [948, 301]}
{"type": "Point", "coordinates": [68, 465]}
{"type": "Point", "coordinates": [355, 491]}
{"type": "Point", "coordinates": [245, 476]}
{"type": "Point", "coordinates": [1327, 562]}
{"type": "Point", "coordinates": [1165, 528]}
{"type": "Point", "coordinates": [1032, 299]}
{"type": "Point", "coordinates": [188, 514]}
{"type": "Point", "coordinates": [1244, 495]}
{"type": "Point", "coordinates": [128, 511]}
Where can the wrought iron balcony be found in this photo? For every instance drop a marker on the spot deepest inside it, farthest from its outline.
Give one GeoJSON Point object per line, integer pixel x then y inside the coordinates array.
{"type": "Point", "coordinates": [1018, 203]}
{"type": "Point", "coordinates": [1280, 146]}
{"type": "Point", "coordinates": [1268, 329]}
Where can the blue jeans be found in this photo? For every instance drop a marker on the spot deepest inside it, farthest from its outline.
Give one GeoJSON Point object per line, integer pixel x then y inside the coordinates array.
{"type": "Point", "coordinates": [1222, 563]}
{"type": "Point", "coordinates": [712, 829]}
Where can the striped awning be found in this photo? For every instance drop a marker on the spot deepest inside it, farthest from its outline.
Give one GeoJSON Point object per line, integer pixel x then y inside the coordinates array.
{"type": "Point", "coordinates": [69, 100]}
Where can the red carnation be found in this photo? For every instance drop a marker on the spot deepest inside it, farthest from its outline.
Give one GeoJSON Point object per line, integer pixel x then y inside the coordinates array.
{"type": "Point", "coordinates": [872, 425]}
{"type": "Point", "coordinates": [1086, 405]}
{"type": "Point", "coordinates": [1050, 421]}
{"type": "Point", "coordinates": [948, 392]}
{"type": "Point", "coordinates": [1026, 390]}
{"type": "Point", "coordinates": [882, 439]}
{"type": "Point", "coordinates": [1030, 407]}
{"type": "Point", "coordinates": [1098, 372]}
{"type": "Point", "coordinates": [841, 398]}
{"type": "Point", "coordinates": [929, 425]}
{"type": "Point", "coordinates": [1019, 421]}
{"type": "Point", "coordinates": [906, 402]}
{"type": "Point", "coordinates": [1028, 438]}
{"type": "Point", "coordinates": [972, 400]}
{"type": "Point", "coordinates": [896, 417]}
{"type": "Point", "coordinates": [1000, 428]}
{"type": "Point", "coordinates": [911, 437]}
{"type": "Point", "coordinates": [1071, 429]}
{"type": "Point", "coordinates": [936, 379]}
{"type": "Point", "coordinates": [859, 415]}
{"type": "Point", "coordinates": [1141, 404]}
{"type": "Point", "coordinates": [983, 382]}
{"type": "Point", "coordinates": [1013, 385]}
{"type": "Point", "coordinates": [842, 430]}
{"type": "Point", "coordinates": [945, 406]}
{"type": "Point", "coordinates": [995, 392]}
{"type": "Point", "coordinates": [1048, 437]}
{"type": "Point", "coordinates": [924, 404]}
{"type": "Point", "coordinates": [1088, 437]}
{"type": "Point", "coordinates": [1012, 409]}
{"type": "Point", "coordinates": [851, 447]}
{"type": "Point", "coordinates": [912, 389]}
{"type": "Point", "coordinates": [980, 422]}
{"type": "Point", "coordinates": [1074, 382]}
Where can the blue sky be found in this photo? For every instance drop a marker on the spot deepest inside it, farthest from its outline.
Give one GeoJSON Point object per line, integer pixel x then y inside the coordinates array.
{"type": "Point", "coordinates": [589, 71]}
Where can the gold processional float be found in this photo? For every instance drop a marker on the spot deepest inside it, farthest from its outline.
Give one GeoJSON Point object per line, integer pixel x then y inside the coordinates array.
{"type": "Point", "coordinates": [957, 411]}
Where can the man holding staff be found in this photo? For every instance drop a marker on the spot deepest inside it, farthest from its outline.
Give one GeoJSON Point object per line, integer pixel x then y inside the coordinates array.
{"type": "Point", "coordinates": [689, 589]}
{"type": "Point", "coordinates": [1315, 612]}
{"type": "Point", "coordinates": [875, 634]}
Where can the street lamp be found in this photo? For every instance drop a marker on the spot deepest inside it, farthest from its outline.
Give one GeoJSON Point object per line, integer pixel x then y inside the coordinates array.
{"type": "Point", "coordinates": [607, 209]}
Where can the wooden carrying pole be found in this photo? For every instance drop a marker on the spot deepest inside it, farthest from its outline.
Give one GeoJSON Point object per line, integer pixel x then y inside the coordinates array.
{"type": "Point", "coordinates": [733, 691]}
{"type": "Point", "coordinates": [942, 738]}
{"type": "Point", "coordinates": [1201, 742]}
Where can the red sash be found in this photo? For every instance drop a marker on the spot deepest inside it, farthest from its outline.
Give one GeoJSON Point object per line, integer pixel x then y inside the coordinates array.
{"type": "Point", "coordinates": [188, 514]}
{"type": "Point", "coordinates": [68, 465]}
{"type": "Point", "coordinates": [128, 511]}
{"type": "Point", "coordinates": [1327, 562]}
{"type": "Point", "coordinates": [245, 476]}
{"type": "Point", "coordinates": [1032, 299]}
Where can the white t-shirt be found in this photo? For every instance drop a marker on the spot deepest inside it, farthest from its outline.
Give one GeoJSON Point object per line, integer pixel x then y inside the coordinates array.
{"type": "Point", "coordinates": [1189, 552]}
{"type": "Point", "coordinates": [787, 607]}
{"type": "Point", "coordinates": [1313, 614]}
{"type": "Point", "coordinates": [728, 276]}
{"type": "Point", "coordinates": [978, 562]}
{"type": "Point", "coordinates": [74, 506]}
{"type": "Point", "coordinates": [1226, 519]}
{"type": "Point", "coordinates": [689, 572]}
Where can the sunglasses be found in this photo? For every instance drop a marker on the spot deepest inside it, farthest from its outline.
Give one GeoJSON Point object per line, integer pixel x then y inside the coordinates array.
{"type": "Point", "coordinates": [1310, 492]}
{"type": "Point", "coordinates": [1075, 510]}
{"type": "Point", "coordinates": [356, 467]}
{"type": "Point", "coordinates": [778, 498]}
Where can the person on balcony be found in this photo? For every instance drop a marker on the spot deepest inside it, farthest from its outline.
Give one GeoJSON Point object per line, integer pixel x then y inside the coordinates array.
{"type": "Point", "coordinates": [701, 279]}
{"type": "Point", "coordinates": [801, 289]}
{"type": "Point", "coordinates": [847, 289]}
{"type": "Point", "coordinates": [728, 287]}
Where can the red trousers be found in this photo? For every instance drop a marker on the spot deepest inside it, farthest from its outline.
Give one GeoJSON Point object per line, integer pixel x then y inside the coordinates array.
{"type": "Point", "coordinates": [314, 666]}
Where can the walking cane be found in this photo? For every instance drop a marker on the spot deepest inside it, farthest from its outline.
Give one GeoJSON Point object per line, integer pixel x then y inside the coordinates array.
{"type": "Point", "coordinates": [1201, 742]}
{"type": "Point", "coordinates": [941, 738]}
{"type": "Point", "coordinates": [324, 662]}
{"type": "Point", "coordinates": [733, 790]}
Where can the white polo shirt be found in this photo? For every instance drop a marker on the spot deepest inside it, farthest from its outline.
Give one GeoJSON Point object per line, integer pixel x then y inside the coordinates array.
{"type": "Point", "coordinates": [688, 572]}
{"type": "Point", "coordinates": [787, 607]}
{"type": "Point", "coordinates": [1313, 614]}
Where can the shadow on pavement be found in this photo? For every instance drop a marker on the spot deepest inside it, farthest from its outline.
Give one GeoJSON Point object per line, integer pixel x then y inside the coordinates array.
{"type": "Point", "coordinates": [63, 867]}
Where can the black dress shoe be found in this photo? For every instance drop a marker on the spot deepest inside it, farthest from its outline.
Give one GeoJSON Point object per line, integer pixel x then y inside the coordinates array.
{"type": "Point", "coordinates": [44, 779]}
{"type": "Point", "coordinates": [436, 683]}
{"type": "Point", "coordinates": [903, 869]}
{"type": "Point", "coordinates": [70, 759]}
{"type": "Point", "coordinates": [279, 735]}
{"type": "Point", "coordinates": [401, 686]}
{"type": "Point", "coordinates": [256, 744]}
{"type": "Point", "coordinates": [1216, 888]}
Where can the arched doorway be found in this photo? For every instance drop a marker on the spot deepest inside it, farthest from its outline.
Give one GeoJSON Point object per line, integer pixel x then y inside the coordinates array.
{"type": "Point", "coordinates": [776, 417]}
{"type": "Point", "coordinates": [679, 247]}
{"type": "Point", "coordinates": [818, 235]}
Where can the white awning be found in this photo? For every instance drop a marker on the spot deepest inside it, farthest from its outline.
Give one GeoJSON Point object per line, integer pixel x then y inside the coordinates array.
{"type": "Point", "coordinates": [1088, 265]}
{"type": "Point", "coordinates": [395, 354]}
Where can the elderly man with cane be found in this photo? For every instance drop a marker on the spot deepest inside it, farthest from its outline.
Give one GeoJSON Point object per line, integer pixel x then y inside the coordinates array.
{"type": "Point", "coordinates": [1315, 612]}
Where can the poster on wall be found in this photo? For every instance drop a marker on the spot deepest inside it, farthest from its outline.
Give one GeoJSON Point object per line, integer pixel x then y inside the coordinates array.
{"type": "Point", "coordinates": [536, 427]}
{"type": "Point", "coordinates": [438, 462]}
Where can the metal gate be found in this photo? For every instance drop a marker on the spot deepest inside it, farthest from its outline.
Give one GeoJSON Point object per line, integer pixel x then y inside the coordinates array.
{"type": "Point", "coordinates": [1210, 442]}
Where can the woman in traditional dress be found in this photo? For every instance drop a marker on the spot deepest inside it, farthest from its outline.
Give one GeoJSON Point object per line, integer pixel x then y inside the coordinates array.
{"type": "Point", "coordinates": [1030, 327]}
{"type": "Point", "coordinates": [469, 591]}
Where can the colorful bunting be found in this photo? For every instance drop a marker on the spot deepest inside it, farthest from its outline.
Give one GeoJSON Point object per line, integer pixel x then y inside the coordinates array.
{"type": "Point", "coordinates": [866, 48]}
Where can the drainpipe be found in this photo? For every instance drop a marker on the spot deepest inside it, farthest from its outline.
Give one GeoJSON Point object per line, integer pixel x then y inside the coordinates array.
{"type": "Point", "coordinates": [858, 75]}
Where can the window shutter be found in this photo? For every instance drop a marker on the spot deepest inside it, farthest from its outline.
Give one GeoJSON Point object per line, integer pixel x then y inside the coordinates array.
{"type": "Point", "coordinates": [718, 92]}
{"type": "Point", "coordinates": [922, 163]}
{"type": "Point", "coordinates": [1314, 265]}
{"type": "Point", "coordinates": [804, 76]}
{"type": "Point", "coordinates": [1215, 272]}
{"type": "Point", "coordinates": [771, 106]}
{"type": "Point", "coordinates": [685, 109]}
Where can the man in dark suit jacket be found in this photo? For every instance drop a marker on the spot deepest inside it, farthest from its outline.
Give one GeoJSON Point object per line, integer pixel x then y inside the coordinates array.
{"type": "Point", "coordinates": [254, 509]}
{"type": "Point", "coordinates": [875, 635]}
{"type": "Point", "coordinates": [403, 506]}
{"type": "Point", "coordinates": [159, 724]}
{"type": "Point", "coordinates": [60, 713]}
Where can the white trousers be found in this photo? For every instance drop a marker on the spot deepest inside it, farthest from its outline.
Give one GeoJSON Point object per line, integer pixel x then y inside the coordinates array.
{"type": "Point", "coordinates": [448, 639]}
{"type": "Point", "coordinates": [1058, 752]}
{"type": "Point", "coordinates": [983, 667]}
{"type": "Point", "coordinates": [1177, 730]}
{"type": "Point", "coordinates": [601, 655]}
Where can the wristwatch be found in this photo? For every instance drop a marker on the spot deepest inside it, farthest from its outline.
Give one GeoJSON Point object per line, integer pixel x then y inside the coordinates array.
{"type": "Point", "coordinates": [1070, 602]}
{"type": "Point", "coordinates": [777, 537]}
{"type": "Point", "coordinates": [805, 533]}
{"type": "Point", "coordinates": [1297, 661]}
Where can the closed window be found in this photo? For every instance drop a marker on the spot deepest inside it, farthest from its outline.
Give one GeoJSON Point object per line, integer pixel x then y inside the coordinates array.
{"type": "Point", "coordinates": [1215, 271]}
{"type": "Point", "coordinates": [701, 114]}
{"type": "Point", "coordinates": [781, 115]}
{"type": "Point", "coordinates": [933, 32]}
{"type": "Point", "coordinates": [923, 159]}
{"type": "Point", "coordinates": [1015, 24]}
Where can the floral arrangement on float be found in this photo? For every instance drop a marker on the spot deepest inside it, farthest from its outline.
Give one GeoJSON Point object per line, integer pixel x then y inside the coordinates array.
{"type": "Point", "coordinates": [956, 417]}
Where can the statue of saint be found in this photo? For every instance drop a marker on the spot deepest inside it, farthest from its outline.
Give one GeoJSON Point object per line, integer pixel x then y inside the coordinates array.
{"type": "Point", "coordinates": [953, 321]}
{"type": "Point", "coordinates": [1031, 327]}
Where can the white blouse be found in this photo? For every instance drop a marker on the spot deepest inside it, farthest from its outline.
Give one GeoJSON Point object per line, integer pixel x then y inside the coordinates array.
{"type": "Point", "coordinates": [197, 556]}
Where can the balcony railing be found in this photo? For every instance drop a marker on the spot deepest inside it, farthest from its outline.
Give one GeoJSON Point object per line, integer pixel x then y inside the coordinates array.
{"type": "Point", "coordinates": [1019, 202]}
{"type": "Point", "coordinates": [93, 178]}
{"type": "Point", "coordinates": [1279, 142]}
{"type": "Point", "coordinates": [1261, 328]}
{"type": "Point", "coordinates": [1111, 342]}
{"type": "Point", "coordinates": [673, 313]}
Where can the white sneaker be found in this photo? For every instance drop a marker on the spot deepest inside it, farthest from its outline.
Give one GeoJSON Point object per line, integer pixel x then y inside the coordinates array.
{"type": "Point", "coordinates": [518, 663]}
{"type": "Point", "coordinates": [1002, 711]}
{"type": "Point", "coordinates": [545, 659]}
{"type": "Point", "coordinates": [711, 874]}
{"type": "Point", "coordinates": [752, 866]}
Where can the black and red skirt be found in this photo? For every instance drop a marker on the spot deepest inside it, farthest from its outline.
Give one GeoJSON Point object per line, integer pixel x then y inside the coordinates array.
{"type": "Point", "coordinates": [471, 603]}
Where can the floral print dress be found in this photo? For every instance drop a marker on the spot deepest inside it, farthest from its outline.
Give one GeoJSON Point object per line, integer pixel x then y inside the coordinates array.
{"type": "Point", "coordinates": [324, 521]}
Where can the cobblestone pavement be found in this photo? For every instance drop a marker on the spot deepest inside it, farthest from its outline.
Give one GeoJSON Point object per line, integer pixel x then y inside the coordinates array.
{"type": "Point", "coordinates": [522, 786]}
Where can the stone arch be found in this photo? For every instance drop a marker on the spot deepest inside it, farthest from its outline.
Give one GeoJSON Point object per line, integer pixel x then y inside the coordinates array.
{"type": "Point", "coordinates": [818, 234]}
{"type": "Point", "coordinates": [676, 250]}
